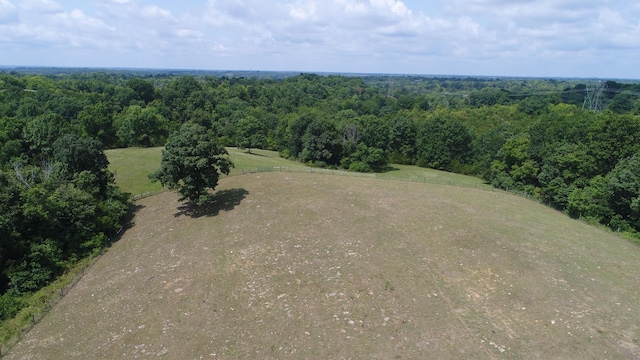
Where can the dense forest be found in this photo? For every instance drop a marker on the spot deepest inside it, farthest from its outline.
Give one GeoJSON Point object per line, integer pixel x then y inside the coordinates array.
{"type": "Point", "coordinates": [572, 144]}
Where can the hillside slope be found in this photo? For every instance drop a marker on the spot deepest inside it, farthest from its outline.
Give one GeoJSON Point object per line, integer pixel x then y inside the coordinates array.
{"type": "Point", "coordinates": [318, 266]}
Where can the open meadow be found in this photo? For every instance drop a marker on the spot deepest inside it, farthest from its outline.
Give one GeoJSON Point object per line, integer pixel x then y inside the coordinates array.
{"type": "Point", "coordinates": [308, 265]}
{"type": "Point", "coordinates": [133, 165]}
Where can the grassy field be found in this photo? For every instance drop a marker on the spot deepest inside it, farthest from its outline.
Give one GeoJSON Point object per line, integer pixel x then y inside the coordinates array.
{"type": "Point", "coordinates": [316, 266]}
{"type": "Point", "coordinates": [133, 165]}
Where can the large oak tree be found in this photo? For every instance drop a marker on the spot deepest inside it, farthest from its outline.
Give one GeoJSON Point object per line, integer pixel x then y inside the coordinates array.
{"type": "Point", "coordinates": [192, 162]}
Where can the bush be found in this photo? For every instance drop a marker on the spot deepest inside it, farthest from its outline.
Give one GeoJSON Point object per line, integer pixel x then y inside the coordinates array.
{"type": "Point", "coordinates": [359, 166]}
{"type": "Point", "coordinates": [10, 304]}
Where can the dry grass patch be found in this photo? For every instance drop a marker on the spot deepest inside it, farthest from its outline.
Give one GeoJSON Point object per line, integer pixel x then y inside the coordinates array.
{"type": "Point", "coordinates": [290, 265]}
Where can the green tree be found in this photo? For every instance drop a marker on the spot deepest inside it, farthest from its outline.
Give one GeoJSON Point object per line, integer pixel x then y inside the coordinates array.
{"type": "Point", "coordinates": [139, 126]}
{"type": "Point", "coordinates": [402, 140]}
{"type": "Point", "coordinates": [440, 142]}
{"type": "Point", "coordinates": [321, 143]}
{"type": "Point", "coordinates": [295, 132]}
{"type": "Point", "coordinates": [365, 159]}
{"type": "Point", "coordinates": [80, 153]}
{"type": "Point", "coordinates": [143, 89]}
{"type": "Point", "coordinates": [568, 166]}
{"type": "Point", "coordinates": [375, 132]}
{"type": "Point", "coordinates": [192, 162]}
{"type": "Point", "coordinates": [96, 121]}
{"type": "Point", "coordinates": [591, 202]}
{"type": "Point", "coordinates": [40, 133]}
{"type": "Point", "coordinates": [251, 133]}
{"type": "Point", "coordinates": [514, 166]}
{"type": "Point", "coordinates": [623, 191]}
{"type": "Point", "coordinates": [488, 97]}
{"type": "Point", "coordinates": [613, 137]}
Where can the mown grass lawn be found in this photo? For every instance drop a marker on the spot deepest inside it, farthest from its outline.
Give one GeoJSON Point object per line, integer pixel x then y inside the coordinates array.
{"type": "Point", "coordinates": [132, 167]}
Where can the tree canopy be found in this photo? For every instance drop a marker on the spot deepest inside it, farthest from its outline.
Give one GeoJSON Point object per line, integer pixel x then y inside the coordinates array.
{"type": "Point", "coordinates": [192, 162]}
{"type": "Point", "coordinates": [550, 139]}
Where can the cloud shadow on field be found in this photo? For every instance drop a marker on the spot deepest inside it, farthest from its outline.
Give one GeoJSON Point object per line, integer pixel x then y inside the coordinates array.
{"type": "Point", "coordinates": [223, 200]}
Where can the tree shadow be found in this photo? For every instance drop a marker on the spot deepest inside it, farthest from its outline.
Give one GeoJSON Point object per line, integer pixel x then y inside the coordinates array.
{"type": "Point", "coordinates": [223, 200]}
{"type": "Point", "coordinates": [127, 223]}
{"type": "Point", "coordinates": [387, 169]}
{"type": "Point", "coordinates": [254, 154]}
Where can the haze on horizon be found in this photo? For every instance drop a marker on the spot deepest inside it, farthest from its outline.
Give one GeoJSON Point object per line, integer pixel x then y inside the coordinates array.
{"type": "Point", "coordinates": [531, 38]}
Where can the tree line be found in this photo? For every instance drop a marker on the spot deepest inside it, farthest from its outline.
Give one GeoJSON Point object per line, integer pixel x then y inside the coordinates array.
{"type": "Point", "coordinates": [535, 136]}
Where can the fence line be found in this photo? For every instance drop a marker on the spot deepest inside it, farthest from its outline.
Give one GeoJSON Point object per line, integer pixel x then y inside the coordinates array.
{"type": "Point", "coordinates": [146, 194]}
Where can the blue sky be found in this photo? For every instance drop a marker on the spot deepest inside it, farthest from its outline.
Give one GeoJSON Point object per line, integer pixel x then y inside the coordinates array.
{"type": "Point", "coordinates": [542, 38]}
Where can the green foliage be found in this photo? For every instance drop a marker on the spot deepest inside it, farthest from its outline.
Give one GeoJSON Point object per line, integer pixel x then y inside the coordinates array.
{"type": "Point", "coordinates": [41, 132]}
{"type": "Point", "coordinates": [591, 202]}
{"type": "Point", "coordinates": [10, 304]}
{"type": "Point", "coordinates": [440, 141]}
{"type": "Point", "coordinates": [251, 133]}
{"type": "Point", "coordinates": [365, 159]}
{"type": "Point", "coordinates": [402, 140]}
{"type": "Point", "coordinates": [612, 138]}
{"type": "Point", "coordinates": [96, 121]}
{"type": "Point", "coordinates": [78, 154]}
{"type": "Point", "coordinates": [574, 95]}
{"type": "Point", "coordinates": [623, 192]}
{"type": "Point", "coordinates": [295, 131]}
{"type": "Point", "coordinates": [192, 163]}
{"type": "Point", "coordinates": [488, 97]}
{"type": "Point", "coordinates": [375, 132]}
{"type": "Point", "coordinates": [321, 143]}
{"type": "Point", "coordinates": [138, 126]}
{"type": "Point", "coordinates": [42, 264]}
{"type": "Point", "coordinates": [533, 105]}
{"type": "Point", "coordinates": [567, 167]}
{"type": "Point", "coordinates": [515, 160]}
{"type": "Point", "coordinates": [144, 90]}
{"type": "Point", "coordinates": [58, 201]}
{"type": "Point", "coordinates": [529, 135]}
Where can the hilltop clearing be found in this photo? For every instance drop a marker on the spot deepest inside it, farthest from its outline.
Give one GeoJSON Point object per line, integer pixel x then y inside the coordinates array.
{"type": "Point", "coordinates": [298, 265]}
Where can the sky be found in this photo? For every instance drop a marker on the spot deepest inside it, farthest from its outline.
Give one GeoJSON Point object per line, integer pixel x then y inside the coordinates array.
{"type": "Point", "coordinates": [530, 38]}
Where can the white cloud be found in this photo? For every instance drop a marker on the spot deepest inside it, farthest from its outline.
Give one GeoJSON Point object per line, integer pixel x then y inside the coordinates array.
{"type": "Point", "coordinates": [40, 6]}
{"type": "Point", "coordinates": [8, 13]}
{"type": "Point", "coordinates": [325, 35]}
{"type": "Point", "coordinates": [302, 10]}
